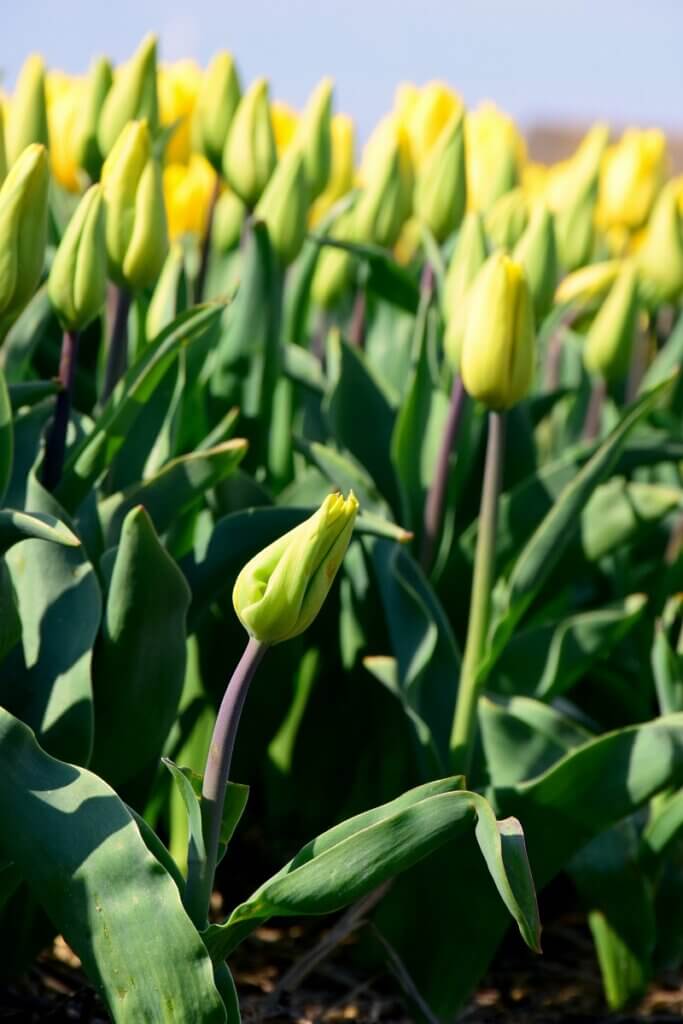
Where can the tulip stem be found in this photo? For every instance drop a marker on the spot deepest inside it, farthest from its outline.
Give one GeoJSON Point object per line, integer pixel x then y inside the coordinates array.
{"type": "Point", "coordinates": [55, 444]}
{"type": "Point", "coordinates": [436, 498]}
{"type": "Point", "coordinates": [200, 280]}
{"type": "Point", "coordinates": [357, 325]}
{"type": "Point", "coordinates": [591, 425]}
{"type": "Point", "coordinates": [117, 356]}
{"type": "Point", "coordinates": [464, 730]}
{"type": "Point", "coordinates": [216, 775]}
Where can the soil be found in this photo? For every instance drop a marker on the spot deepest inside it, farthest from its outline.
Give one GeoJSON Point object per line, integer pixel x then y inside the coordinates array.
{"type": "Point", "coordinates": [561, 986]}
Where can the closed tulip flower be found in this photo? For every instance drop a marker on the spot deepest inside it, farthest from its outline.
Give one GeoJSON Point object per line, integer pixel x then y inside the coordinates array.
{"type": "Point", "coordinates": [23, 231]}
{"type": "Point", "coordinates": [27, 118]}
{"type": "Point", "coordinates": [132, 97]}
{"type": "Point", "coordinates": [314, 137]}
{"type": "Point", "coordinates": [589, 284]}
{"type": "Point", "coordinates": [77, 285]}
{"type": "Point", "coordinates": [499, 349]}
{"type": "Point", "coordinates": [537, 253]}
{"type": "Point", "coordinates": [279, 592]}
{"type": "Point", "coordinates": [495, 156]}
{"type": "Point", "coordinates": [93, 94]}
{"type": "Point", "coordinates": [342, 167]}
{"type": "Point", "coordinates": [285, 121]}
{"type": "Point", "coordinates": [572, 194]}
{"type": "Point", "coordinates": [284, 205]}
{"type": "Point", "coordinates": [3, 149]}
{"type": "Point", "coordinates": [217, 100]}
{"type": "Point", "coordinates": [170, 293]}
{"type": "Point", "coordinates": [506, 220]}
{"type": "Point", "coordinates": [64, 100]}
{"type": "Point", "coordinates": [609, 341]}
{"type": "Point", "coordinates": [425, 114]}
{"type": "Point", "coordinates": [440, 192]}
{"type": "Point", "coordinates": [137, 237]}
{"type": "Point", "coordinates": [249, 156]}
{"type": "Point", "coordinates": [387, 175]}
{"type": "Point", "coordinates": [188, 189]}
{"type": "Point", "coordinates": [467, 260]}
{"type": "Point", "coordinates": [178, 88]}
{"type": "Point", "coordinates": [334, 267]}
{"type": "Point", "coordinates": [632, 174]}
{"type": "Point", "coordinates": [660, 255]}
{"type": "Point", "coordinates": [228, 221]}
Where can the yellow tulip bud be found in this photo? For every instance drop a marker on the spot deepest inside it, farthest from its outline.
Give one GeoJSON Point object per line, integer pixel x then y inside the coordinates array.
{"type": "Point", "coordinates": [133, 96]}
{"type": "Point", "coordinates": [228, 220]}
{"type": "Point", "coordinates": [3, 150]}
{"type": "Point", "coordinates": [188, 189]}
{"type": "Point", "coordinates": [77, 285]}
{"type": "Point", "coordinates": [608, 344]}
{"type": "Point", "coordinates": [249, 156]}
{"type": "Point", "coordinates": [467, 260]}
{"type": "Point", "coordinates": [499, 348]}
{"type": "Point", "coordinates": [589, 284]}
{"type": "Point", "coordinates": [572, 195]}
{"type": "Point", "coordinates": [64, 99]}
{"type": "Point", "coordinates": [285, 121]}
{"type": "Point", "coordinates": [387, 174]}
{"type": "Point", "coordinates": [178, 87]}
{"type": "Point", "coordinates": [279, 592]}
{"type": "Point", "coordinates": [219, 95]}
{"type": "Point", "coordinates": [660, 257]}
{"type": "Point", "coordinates": [334, 266]}
{"type": "Point", "coordinates": [284, 205]}
{"type": "Point", "coordinates": [537, 253]}
{"type": "Point", "coordinates": [632, 174]}
{"type": "Point", "coordinates": [23, 231]}
{"type": "Point", "coordinates": [342, 166]}
{"type": "Point", "coordinates": [313, 135]}
{"type": "Point", "coordinates": [426, 116]}
{"type": "Point", "coordinates": [27, 117]}
{"type": "Point", "coordinates": [137, 238]}
{"type": "Point", "coordinates": [495, 153]}
{"type": "Point", "coordinates": [94, 92]}
{"type": "Point", "coordinates": [170, 293]}
{"type": "Point", "coordinates": [440, 191]}
{"type": "Point", "coordinates": [507, 219]}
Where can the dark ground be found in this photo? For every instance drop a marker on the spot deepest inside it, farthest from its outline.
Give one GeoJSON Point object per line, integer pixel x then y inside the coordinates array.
{"type": "Point", "coordinates": [561, 986]}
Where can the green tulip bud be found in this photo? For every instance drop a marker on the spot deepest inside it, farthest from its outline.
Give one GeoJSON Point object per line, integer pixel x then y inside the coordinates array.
{"type": "Point", "coordinates": [77, 285]}
{"type": "Point", "coordinates": [170, 294]}
{"type": "Point", "coordinates": [314, 136]}
{"type": "Point", "coordinates": [279, 592]}
{"type": "Point", "coordinates": [228, 221]}
{"type": "Point", "coordinates": [217, 100]}
{"type": "Point", "coordinates": [499, 347]}
{"type": "Point", "coordinates": [440, 191]}
{"type": "Point", "coordinates": [284, 206]}
{"type": "Point", "coordinates": [96, 88]}
{"type": "Point", "coordinates": [660, 258]}
{"type": "Point", "coordinates": [23, 231]}
{"type": "Point", "coordinates": [249, 156]}
{"type": "Point", "coordinates": [507, 219]}
{"type": "Point", "coordinates": [137, 236]}
{"type": "Point", "coordinates": [537, 252]}
{"type": "Point", "coordinates": [573, 197]}
{"type": "Point", "coordinates": [609, 341]}
{"type": "Point", "coordinates": [132, 97]}
{"type": "Point", "coordinates": [385, 202]}
{"type": "Point", "coordinates": [3, 150]}
{"type": "Point", "coordinates": [27, 117]}
{"type": "Point", "coordinates": [467, 260]}
{"type": "Point", "coordinates": [588, 285]}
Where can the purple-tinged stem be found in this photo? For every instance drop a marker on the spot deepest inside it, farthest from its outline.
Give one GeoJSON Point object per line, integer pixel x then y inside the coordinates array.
{"type": "Point", "coordinates": [55, 444]}
{"type": "Point", "coordinates": [357, 326]}
{"type": "Point", "coordinates": [216, 775]}
{"type": "Point", "coordinates": [200, 280]}
{"type": "Point", "coordinates": [591, 425]}
{"type": "Point", "coordinates": [436, 498]}
{"type": "Point", "coordinates": [117, 356]}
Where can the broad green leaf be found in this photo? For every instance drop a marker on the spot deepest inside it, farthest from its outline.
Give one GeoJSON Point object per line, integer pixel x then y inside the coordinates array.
{"type": "Point", "coordinates": [546, 660]}
{"type": "Point", "coordinates": [667, 360]}
{"type": "Point", "coordinates": [355, 857]}
{"type": "Point", "coordinates": [26, 334]}
{"type": "Point", "coordinates": [18, 526]}
{"type": "Point", "coordinates": [385, 277]}
{"type": "Point", "coordinates": [620, 511]}
{"type": "Point", "coordinates": [175, 489]}
{"type": "Point", "coordinates": [31, 392]}
{"type": "Point", "coordinates": [83, 857]}
{"type": "Point", "coordinates": [139, 662]}
{"type": "Point", "coordinates": [667, 663]}
{"type": "Point", "coordinates": [6, 437]}
{"type": "Point", "coordinates": [344, 473]}
{"type": "Point", "coordinates": [664, 826]}
{"type": "Point", "coordinates": [96, 451]}
{"type": "Point", "coordinates": [29, 427]}
{"type": "Point", "coordinates": [59, 604]}
{"type": "Point", "coordinates": [302, 367]}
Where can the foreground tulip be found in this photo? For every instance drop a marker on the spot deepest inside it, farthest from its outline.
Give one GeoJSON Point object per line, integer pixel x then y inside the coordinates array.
{"type": "Point", "coordinates": [467, 260]}
{"type": "Point", "coordinates": [314, 136]}
{"type": "Point", "coordinates": [440, 191]}
{"type": "Point", "coordinates": [249, 156]}
{"type": "Point", "coordinates": [133, 96]}
{"type": "Point", "coordinates": [77, 284]}
{"type": "Point", "coordinates": [660, 257]}
{"type": "Point", "coordinates": [284, 205]}
{"type": "Point", "coordinates": [137, 239]}
{"type": "Point", "coordinates": [27, 119]}
{"type": "Point", "coordinates": [23, 231]}
{"type": "Point", "coordinates": [537, 253]}
{"type": "Point", "coordinates": [632, 174]}
{"type": "Point", "coordinates": [94, 92]}
{"type": "Point", "coordinates": [498, 351]}
{"type": "Point", "coordinates": [281, 590]}
{"type": "Point", "coordinates": [217, 101]}
{"type": "Point", "coordinates": [608, 344]}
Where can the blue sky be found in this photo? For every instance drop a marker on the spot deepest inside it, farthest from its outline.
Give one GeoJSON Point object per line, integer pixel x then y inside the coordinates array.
{"type": "Point", "coordinates": [538, 60]}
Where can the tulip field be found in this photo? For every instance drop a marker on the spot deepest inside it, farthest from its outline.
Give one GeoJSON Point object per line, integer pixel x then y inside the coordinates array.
{"type": "Point", "coordinates": [341, 546]}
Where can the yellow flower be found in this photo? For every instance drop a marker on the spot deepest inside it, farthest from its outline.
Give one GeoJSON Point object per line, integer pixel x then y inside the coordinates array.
{"type": "Point", "coordinates": [285, 122]}
{"type": "Point", "coordinates": [64, 95]}
{"type": "Point", "coordinates": [632, 174]}
{"type": "Point", "coordinates": [495, 155]}
{"type": "Point", "coordinates": [340, 180]}
{"type": "Point", "coordinates": [589, 284]}
{"type": "Point", "coordinates": [178, 86]}
{"type": "Point", "coordinates": [425, 113]}
{"type": "Point", "coordinates": [386, 175]}
{"type": "Point", "coordinates": [187, 194]}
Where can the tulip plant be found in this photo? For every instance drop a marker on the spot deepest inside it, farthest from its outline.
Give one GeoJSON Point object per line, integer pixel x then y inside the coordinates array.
{"type": "Point", "coordinates": [420, 414]}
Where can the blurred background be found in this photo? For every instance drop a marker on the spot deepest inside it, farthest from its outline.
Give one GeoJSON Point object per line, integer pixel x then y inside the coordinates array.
{"type": "Point", "coordinates": [555, 67]}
